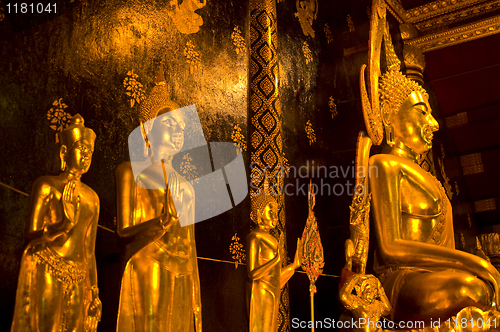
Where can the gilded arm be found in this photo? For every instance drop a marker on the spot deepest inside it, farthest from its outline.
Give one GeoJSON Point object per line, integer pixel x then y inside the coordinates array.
{"type": "Point", "coordinates": [94, 308]}
{"type": "Point", "coordinates": [146, 231]}
{"type": "Point", "coordinates": [288, 271]}
{"type": "Point", "coordinates": [253, 247]}
{"type": "Point", "coordinates": [396, 251]}
{"type": "Point", "coordinates": [40, 226]}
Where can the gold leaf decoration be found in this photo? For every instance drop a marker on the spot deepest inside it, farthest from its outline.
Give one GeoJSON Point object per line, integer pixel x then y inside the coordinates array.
{"type": "Point", "coordinates": [183, 14]}
{"type": "Point", "coordinates": [238, 41]}
{"type": "Point", "coordinates": [307, 11]}
{"type": "Point", "coordinates": [58, 117]}
{"type": "Point", "coordinates": [237, 251]}
{"type": "Point", "coordinates": [307, 52]}
{"type": "Point", "coordinates": [2, 12]}
{"type": "Point", "coordinates": [310, 133]}
{"type": "Point", "coordinates": [446, 179]}
{"type": "Point", "coordinates": [238, 137]}
{"type": "Point", "coordinates": [350, 23]}
{"type": "Point", "coordinates": [134, 88]}
{"type": "Point", "coordinates": [333, 107]}
{"type": "Point", "coordinates": [193, 58]}
{"type": "Point", "coordinates": [187, 169]}
{"type": "Point", "coordinates": [328, 33]}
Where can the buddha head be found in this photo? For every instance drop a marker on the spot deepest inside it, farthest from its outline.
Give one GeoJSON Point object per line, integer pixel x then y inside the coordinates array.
{"type": "Point", "coordinates": [163, 129]}
{"type": "Point", "coordinates": [265, 209]}
{"type": "Point", "coordinates": [406, 113]}
{"type": "Point", "coordinates": [77, 146]}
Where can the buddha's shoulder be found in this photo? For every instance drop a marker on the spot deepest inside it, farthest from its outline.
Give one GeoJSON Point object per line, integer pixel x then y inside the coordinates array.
{"type": "Point", "coordinates": [258, 235]}
{"type": "Point", "coordinates": [48, 183]}
{"type": "Point", "coordinates": [124, 169]}
{"type": "Point", "coordinates": [389, 162]}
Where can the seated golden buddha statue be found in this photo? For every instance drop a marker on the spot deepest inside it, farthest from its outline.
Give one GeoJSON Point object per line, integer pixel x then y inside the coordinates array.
{"type": "Point", "coordinates": [267, 277]}
{"type": "Point", "coordinates": [422, 273]}
{"type": "Point", "coordinates": [160, 288]}
{"type": "Point", "coordinates": [57, 288]}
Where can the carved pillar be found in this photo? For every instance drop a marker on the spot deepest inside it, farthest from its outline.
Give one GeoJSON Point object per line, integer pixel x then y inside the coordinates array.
{"type": "Point", "coordinates": [265, 121]}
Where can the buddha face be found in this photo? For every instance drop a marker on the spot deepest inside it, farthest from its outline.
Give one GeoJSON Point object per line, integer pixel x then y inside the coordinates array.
{"type": "Point", "coordinates": [414, 124]}
{"type": "Point", "coordinates": [167, 135]}
{"type": "Point", "coordinates": [269, 216]}
{"type": "Point", "coordinates": [79, 156]}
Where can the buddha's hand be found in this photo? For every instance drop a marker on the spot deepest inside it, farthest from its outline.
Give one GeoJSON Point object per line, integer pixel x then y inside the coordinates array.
{"type": "Point", "coordinates": [94, 310]}
{"type": "Point", "coordinates": [174, 184]}
{"type": "Point", "coordinates": [169, 215]}
{"type": "Point", "coordinates": [297, 261]}
{"type": "Point", "coordinates": [197, 318]}
{"type": "Point", "coordinates": [71, 203]}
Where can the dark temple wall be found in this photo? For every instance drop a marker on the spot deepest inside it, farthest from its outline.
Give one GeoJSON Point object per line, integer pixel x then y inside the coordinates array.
{"type": "Point", "coordinates": [83, 59]}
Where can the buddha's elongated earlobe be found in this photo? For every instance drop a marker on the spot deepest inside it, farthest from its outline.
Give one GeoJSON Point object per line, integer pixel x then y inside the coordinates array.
{"type": "Point", "coordinates": [389, 135]}
{"type": "Point", "coordinates": [62, 155]}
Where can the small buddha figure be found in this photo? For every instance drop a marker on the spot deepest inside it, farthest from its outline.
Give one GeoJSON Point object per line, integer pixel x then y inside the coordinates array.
{"type": "Point", "coordinates": [57, 288]}
{"type": "Point", "coordinates": [267, 277]}
{"type": "Point", "coordinates": [160, 288]}
{"type": "Point", "coordinates": [364, 296]}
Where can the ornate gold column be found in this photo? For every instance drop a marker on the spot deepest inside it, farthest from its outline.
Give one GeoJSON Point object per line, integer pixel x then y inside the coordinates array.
{"type": "Point", "coordinates": [264, 124]}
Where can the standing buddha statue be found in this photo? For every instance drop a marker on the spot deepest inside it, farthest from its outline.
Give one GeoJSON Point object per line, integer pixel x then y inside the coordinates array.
{"type": "Point", "coordinates": [160, 289]}
{"type": "Point", "coordinates": [57, 288]}
{"type": "Point", "coordinates": [267, 277]}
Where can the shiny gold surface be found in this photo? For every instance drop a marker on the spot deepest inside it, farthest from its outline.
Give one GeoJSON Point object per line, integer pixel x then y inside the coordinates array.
{"type": "Point", "coordinates": [160, 288]}
{"type": "Point", "coordinates": [364, 296]}
{"type": "Point", "coordinates": [423, 275]}
{"type": "Point", "coordinates": [57, 288]}
{"type": "Point", "coordinates": [267, 277]}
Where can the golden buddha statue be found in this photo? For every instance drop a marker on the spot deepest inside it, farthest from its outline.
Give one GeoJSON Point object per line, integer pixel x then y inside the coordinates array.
{"type": "Point", "coordinates": [364, 296]}
{"type": "Point", "coordinates": [424, 276]}
{"type": "Point", "coordinates": [57, 288]}
{"type": "Point", "coordinates": [160, 288]}
{"type": "Point", "coordinates": [267, 277]}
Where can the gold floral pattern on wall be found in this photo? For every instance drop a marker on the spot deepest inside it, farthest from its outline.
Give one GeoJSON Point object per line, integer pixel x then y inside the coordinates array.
{"type": "Point", "coordinates": [446, 179]}
{"type": "Point", "coordinates": [307, 11]}
{"type": "Point", "coordinates": [238, 137]}
{"type": "Point", "coordinates": [58, 117]}
{"type": "Point", "coordinates": [134, 88]}
{"type": "Point", "coordinates": [350, 23]}
{"type": "Point", "coordinates": [238, 41]}
{"type": "Point", "coordinates": [311, 136]}
{"type": "Point", "coordinates": [193, 58]}
{"type": "Point", "coordinates": [333, 107]}
{"type": "Point", "coordinates": [307, 52]}
{"type": "Point", "coordinates": [456, 188]}
{"type": "Point", "coordinates": [187, 169]}
{"type": "Point", "coordinates": [2, 12]}
{"type": "Point", "coordinates": [328, 33]}
{"type": "Point", "coordinates": [237, 251]}
{"type": "Point", "coordinates": [183, 14]}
